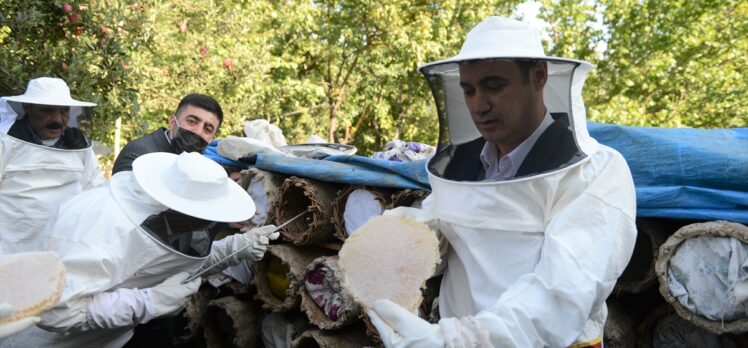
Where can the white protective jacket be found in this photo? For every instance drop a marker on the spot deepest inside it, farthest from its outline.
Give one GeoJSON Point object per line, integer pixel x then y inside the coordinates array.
{"type": "Point", "coordinates": [34, 180]}
{"type": "Point", "coordinates": [531, 259]}
{"type": "Point", "coordinates": [98, 238]}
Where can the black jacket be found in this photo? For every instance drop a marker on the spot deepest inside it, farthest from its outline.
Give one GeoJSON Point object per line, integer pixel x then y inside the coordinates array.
{"type": "Point", "coordinates": [553, 149]}
{"type": "Point", "coordinates": [152, 142]}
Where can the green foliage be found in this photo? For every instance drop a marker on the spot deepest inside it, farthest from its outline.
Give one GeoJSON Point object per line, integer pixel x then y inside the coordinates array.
{"type": "Point", "coordinates": [88, 46]}
{"type": "Point", "coordinates": [347, 70]}
{"type": "Point", "coordinates": [667, 63]}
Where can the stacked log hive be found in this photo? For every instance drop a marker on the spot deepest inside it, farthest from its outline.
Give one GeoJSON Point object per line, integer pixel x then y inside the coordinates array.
{"type": "Point", "coordinates": [381, 195]}
{"type": "Point", "coordinates": [641, 313]}
{"type": "Point", "coordinates": [717, 263]}
{"type": "Point", "coordinates": [642, 295]}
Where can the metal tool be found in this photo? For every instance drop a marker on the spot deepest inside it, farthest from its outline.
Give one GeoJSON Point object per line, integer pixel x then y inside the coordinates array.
{"type": "Point", "coordinates": [198, 274]}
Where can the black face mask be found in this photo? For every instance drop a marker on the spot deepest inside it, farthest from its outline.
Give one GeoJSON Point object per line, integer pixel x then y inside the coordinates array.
{"type": "Point", "coordinates": [186, 141]}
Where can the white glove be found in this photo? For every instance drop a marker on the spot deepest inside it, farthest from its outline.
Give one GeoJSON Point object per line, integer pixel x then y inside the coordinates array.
{"type": "Point", "coordinates": [14, 327]}
{"type": "Point", "coordinates": [399, 328]}
{"type": "Point", "coordinates": [258, 238]}
{"type": "Point", "coordinates": [171, 296]}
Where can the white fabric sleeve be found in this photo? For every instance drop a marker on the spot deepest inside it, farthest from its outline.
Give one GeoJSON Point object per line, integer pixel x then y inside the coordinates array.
{"type": "Point", "coordinates": [71, 316]}
{"type": "Point", "coordinates": [587, 246]}
{"type": "Point", "coordinates": [3, 155]}
{"type": "Point", "coordinates": [221, 249]}
{"type": "Point", "coordinates": [92, 175]}
{"type": "Point", "coordinates": [106, 310]}
{"type": "Point", "coordinates": [122, 307]}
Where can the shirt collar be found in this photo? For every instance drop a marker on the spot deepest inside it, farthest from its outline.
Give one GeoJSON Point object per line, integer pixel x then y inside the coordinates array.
{"type": "Point", "coordinates": [506, 167]}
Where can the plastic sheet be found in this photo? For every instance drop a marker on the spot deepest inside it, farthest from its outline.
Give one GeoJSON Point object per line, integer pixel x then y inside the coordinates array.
{"type": "Point", "coordinates": [684, 173]}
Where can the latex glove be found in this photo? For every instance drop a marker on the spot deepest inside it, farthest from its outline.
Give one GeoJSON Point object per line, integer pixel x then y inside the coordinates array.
{"type": "Point", "coordinates": [259, 238]}
{"type": "Point", "coordinates": [400, 328]}
{"type": "Point", "coordinates": [171, 295]}
{"type": "Point", "coordinates": [14, 327]}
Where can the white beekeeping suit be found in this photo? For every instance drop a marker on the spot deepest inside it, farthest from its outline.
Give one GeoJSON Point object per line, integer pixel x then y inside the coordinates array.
{"type": "Point", "coordinates": [120, 272]}
{"type": "Point", "coordinates": [36, 177]}
{"type": "Point", "coordinates": [531, 258]}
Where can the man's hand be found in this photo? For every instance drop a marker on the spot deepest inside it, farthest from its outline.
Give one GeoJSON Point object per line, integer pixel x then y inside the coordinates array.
{"type": "Point", "coordinates": [259, 238]}
{"type": "Point", "coordinates": [14, 327]}
{"type": "Point", "coordinates": [399, 328]}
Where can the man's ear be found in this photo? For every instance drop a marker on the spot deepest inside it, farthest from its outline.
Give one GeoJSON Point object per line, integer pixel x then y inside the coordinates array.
{"type": "Point", "coordinates": [25, 107]}
{"type": "Point", "coordinates": [172, 121]}
{"type": "Point", "coordinates": [539, 75]}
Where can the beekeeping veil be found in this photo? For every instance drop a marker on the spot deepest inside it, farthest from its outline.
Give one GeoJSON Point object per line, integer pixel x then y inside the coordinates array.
{"type": "Point", "coordinates": [503, 39]}
{"type": "Point", "coordinates": [560, 234]}
{"type": "Point", "coordinates": [47, 92]}
{"type": "Point", "coordinates": [39, 173]}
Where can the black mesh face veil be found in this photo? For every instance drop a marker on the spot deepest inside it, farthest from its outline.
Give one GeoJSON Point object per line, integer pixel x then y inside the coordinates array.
{"type": "Point", "coordinates": [456, 127]}
{"type": "Point", "coordinates": [183, 233]}
{"type": "Point", "coordinates": [54, 126]}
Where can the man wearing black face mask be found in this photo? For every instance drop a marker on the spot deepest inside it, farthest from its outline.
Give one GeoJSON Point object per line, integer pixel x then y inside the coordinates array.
{"type": "Point", "coordinates": [191, 128]}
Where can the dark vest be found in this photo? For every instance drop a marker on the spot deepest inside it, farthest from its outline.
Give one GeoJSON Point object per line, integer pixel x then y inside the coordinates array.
{"type": "Point", "coordinates": [554, 148]}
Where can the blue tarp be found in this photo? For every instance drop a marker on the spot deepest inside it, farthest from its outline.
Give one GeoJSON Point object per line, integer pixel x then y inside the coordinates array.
{"type": "Point", "coordinates": [680, 173]}
{"type": "Point", "coordinates": [212, 153]}
{"type": "Point", "coordinates": [684, 173]}
{"type": "Point", "coordinates": [351, 170]}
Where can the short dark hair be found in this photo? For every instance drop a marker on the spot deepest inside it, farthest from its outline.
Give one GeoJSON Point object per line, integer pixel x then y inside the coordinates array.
{"type": "Point", "coordinates": [204, 102]}
{"type": "Point", "coordinates": [525, 65]}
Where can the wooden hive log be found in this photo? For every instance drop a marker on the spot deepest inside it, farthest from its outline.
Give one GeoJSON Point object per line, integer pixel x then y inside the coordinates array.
{"type": "Point", "coordinates": [279, 275]}
{"type": "Point", "coordinates": [231, 322]}
{"type": "Point", "coordinates": [407, 198]}
{"type": "Point", "coordinates": [265, 189]}
{"type": "Point", "coordinates": [280, 329]}
{"type": "Point", "coordinates": [298, 195]}
{"type": "Point", "coordinates": [355, 205]}
{"type": "Point", "coordinates": [697, 267]}
{"type": "Point", "coordinates": [672, 331]}
{"type": "Point", "coordinates": [190, 320]}
{"type": "Point", "coordinates": [316, 338]}
{"type": "Point", "coordinates": [639, 274]}
{"type": "Point", "coordinates": [429, 308]}
{"type": "Point", "coordinates": [620, 327]}
{"type": "Point", "coordinates": [325, 300]}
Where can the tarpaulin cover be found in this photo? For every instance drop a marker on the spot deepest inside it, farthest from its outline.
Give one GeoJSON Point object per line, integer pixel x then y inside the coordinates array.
{"type": "Point", "coordinates": [679, 173]}
{"type": "Point", "coordinates": [350, 169]}
{"type": "Point", "coordinates": [212, 152]}
{"type": "Point", "coordinates": [684, 173]}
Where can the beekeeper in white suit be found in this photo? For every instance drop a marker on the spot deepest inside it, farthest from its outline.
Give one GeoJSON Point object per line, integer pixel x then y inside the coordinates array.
{"type": "Point", "coordinates": [128, 247]}
{"type": "Point", "coordinates": [44, 159]}
{"type": "Point", "coordinates": [539, 217]}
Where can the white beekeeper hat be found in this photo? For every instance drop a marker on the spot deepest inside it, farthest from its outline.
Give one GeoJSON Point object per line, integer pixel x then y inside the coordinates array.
{"type": "Point", "coordinates": [47, 91]}
{"type": "Point", "coordinates": [194, 185]}
{"type": "Point", "coordinates": [502, 38]}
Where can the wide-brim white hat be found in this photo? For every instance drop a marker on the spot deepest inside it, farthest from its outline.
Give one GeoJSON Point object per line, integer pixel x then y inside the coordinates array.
{"type": "Point", "coordinates": [502, 38]}
{"type": "Point", "coordinates": [193, 184]}
{"type": "Point", "coordinates": [48, 91]}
